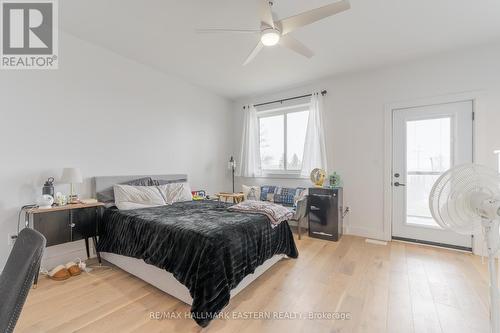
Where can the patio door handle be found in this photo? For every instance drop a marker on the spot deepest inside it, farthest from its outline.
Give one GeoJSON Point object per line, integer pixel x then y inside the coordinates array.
{"type": "Point", "coordinates": [399, 184]}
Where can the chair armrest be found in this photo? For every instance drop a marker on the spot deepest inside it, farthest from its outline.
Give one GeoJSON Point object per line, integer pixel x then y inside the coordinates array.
{"type": "Point", "coordinates": [301, 210]}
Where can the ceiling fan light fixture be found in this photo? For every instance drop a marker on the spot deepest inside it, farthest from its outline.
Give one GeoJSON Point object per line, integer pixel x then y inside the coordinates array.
{"type": "Point", "coordinates": [270, 37]}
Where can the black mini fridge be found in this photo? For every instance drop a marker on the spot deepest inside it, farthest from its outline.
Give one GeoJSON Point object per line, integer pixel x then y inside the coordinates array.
{"type": "Point", "coordinates": [325, 208]}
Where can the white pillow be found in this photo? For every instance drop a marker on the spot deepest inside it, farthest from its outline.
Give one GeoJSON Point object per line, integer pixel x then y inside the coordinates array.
{"type": "Point", "coordinates": [133, 197]}
{"type": "Point", "coordinates": [176, 192]}
{"type": "Point", "coordinates": [251, 192]}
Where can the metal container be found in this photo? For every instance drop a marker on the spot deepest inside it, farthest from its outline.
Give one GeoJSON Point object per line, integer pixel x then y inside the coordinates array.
{"type": "Point", "coordinates": [48, 187]}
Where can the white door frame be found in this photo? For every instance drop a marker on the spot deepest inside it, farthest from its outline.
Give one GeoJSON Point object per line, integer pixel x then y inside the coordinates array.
{"type": "Point", "coordinates": [473, 96]}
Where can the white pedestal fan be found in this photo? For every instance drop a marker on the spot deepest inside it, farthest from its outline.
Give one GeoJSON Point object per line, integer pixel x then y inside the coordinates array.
{"type": "Point", "coordinates": [466, 199]}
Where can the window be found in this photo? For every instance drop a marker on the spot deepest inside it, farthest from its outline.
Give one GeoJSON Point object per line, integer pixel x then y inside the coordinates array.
{"type": "Point", "coordinates": [282, 137]}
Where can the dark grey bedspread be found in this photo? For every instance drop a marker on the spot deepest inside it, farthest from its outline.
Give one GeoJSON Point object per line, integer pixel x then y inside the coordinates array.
{"type": "Point", "coordinates": [207, 248]}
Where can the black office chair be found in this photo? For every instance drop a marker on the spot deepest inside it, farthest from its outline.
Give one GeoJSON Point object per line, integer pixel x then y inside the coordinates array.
{"type": "Point", "coordinates": [17, 276]}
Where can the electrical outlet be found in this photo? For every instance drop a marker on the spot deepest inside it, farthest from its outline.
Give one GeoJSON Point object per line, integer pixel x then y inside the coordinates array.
{"type": "Point", "coordinates": [11, 239]}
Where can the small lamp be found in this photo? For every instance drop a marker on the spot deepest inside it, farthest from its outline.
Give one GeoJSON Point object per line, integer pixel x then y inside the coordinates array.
{"type": "Point", "coordinates": [231, 165]}
{"type": "Point", "coordinates": [72, 176]}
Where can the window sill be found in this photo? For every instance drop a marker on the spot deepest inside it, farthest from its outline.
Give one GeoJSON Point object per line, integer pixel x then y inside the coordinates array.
{"type": "Point", "coordinates": [278, 175]}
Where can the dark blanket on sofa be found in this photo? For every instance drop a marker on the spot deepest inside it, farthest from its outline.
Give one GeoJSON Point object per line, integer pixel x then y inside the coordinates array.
{"type": "Point", "coordinates": [206, 247]}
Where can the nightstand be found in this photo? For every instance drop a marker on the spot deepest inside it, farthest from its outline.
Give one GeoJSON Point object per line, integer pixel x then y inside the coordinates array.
{"type": "Point", "coordinates": [69, 223]}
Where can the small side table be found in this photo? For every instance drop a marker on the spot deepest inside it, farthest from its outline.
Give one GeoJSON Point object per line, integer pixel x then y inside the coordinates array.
{"type": "Point", "coordinates": [68, 223]}
{"type": "Point", "coordinates": [235, 197]}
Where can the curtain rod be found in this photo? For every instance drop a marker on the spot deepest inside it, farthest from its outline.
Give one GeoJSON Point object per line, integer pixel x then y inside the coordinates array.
{"type": "Point", "coordinates": [323, 92]}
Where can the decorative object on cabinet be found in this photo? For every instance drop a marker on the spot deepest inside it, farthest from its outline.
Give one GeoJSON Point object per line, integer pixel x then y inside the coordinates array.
{"type": "Point", "coordinates": [45, 202]}
{"type": "Point", "coordinates": [61, 199]}
{"type": "Point", "coordinates": [335, 180]}
{"type": "Point", "coordinates": [48, 187]}
{"type": "Point", "coordinates": [72, 176]}
{"type": "Point", "coordinates": [318, 177]}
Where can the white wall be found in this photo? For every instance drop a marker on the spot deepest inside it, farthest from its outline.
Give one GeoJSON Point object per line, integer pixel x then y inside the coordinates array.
{"type": "Point", "coordinates": [355, 120]}
{"type": "Point", "coordinates": [109, 116]}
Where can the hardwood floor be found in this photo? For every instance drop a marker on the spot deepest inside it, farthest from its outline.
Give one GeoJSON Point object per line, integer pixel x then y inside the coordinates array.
{"type": "Point", "coordinates": [396, 288]}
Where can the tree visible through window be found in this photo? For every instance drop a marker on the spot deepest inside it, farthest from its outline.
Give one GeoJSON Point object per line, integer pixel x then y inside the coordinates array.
{"type": "Point", "coordinates": [282, 137]}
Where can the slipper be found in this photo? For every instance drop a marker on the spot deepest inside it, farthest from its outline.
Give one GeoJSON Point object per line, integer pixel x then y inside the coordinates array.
{"type": "Point", "coordinates": [73, 268]}
{"type": "Point", "coordinates": [60, 273]}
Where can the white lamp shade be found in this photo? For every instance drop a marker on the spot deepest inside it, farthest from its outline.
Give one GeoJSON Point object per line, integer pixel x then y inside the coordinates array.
{"type": "Point", "coordinates": [71, 176]}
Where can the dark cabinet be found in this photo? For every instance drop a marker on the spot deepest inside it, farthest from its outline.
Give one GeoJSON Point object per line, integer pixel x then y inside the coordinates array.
{"type": "Point", "coordinates": [54, 226]}
{"type": "Point", "coordinates": [325, 207]}
{"type": "Point", "coordinates": [85, 223]}
{"type": "Point", "coordinates": [67, 225]}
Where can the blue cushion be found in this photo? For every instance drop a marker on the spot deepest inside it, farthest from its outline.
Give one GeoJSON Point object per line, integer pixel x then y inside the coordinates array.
{"type": "Point", "coordinates": [281, 195]}
{"type": "Point", "coordinates": [265, 190]}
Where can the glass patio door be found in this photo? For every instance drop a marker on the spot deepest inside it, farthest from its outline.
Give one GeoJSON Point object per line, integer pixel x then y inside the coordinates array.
{"type": "Point", "coordinates": [427, 141]}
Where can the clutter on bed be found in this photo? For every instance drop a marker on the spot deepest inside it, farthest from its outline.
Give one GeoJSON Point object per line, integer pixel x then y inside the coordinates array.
{"type": "Point", "coordinates": [276, 213]}
{"type": "Point", "coordinates": [199, 195]}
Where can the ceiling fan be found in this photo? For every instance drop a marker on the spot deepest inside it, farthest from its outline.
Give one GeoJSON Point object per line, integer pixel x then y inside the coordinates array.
{"type": "Point", "coordinates": [277, 32]}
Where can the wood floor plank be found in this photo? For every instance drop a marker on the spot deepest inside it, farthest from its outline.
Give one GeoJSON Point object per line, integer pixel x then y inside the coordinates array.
{"type": "Point", "coordinates": [400, 287]}
{"type": "Point", "coordinates": [399, 308]}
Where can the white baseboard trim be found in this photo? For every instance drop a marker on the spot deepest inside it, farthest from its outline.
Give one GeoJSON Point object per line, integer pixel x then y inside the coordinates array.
{"type": "Point", "coordinates": [364, 232]}
{"type": "Point", "coordinates": [376, 242]}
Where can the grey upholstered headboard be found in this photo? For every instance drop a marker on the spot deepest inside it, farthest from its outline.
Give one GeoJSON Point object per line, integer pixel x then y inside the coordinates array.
{"type": "Point", "coordinates": [102, 187]}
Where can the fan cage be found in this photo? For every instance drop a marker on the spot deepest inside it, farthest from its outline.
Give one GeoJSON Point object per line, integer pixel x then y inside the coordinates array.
{"type": "Point", "coordinates": [451, 197]}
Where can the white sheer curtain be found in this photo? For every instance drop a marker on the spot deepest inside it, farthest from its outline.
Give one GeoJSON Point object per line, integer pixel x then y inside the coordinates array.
{"type": "Point", "coordinates": [314, 146]}
{"type": "Point", "coordinates": [250, 165]}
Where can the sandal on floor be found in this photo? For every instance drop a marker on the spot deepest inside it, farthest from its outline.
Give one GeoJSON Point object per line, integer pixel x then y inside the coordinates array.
{"type": "Point", "coordinates": [60, 273]}
{"type": "Point", "coordinates": [73, 268]}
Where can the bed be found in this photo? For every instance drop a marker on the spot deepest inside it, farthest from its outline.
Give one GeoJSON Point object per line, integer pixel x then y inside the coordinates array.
{"type": "Point", "coordinates": [196, 251]}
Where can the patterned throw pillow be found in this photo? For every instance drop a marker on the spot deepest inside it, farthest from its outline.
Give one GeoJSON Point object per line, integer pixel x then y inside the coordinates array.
{"type": "Point", "coordinates": [251, 192]}
{"type": "Point", "coordinates": [265, 191]}
{"type": "Point", "coordinates": [287, 196]}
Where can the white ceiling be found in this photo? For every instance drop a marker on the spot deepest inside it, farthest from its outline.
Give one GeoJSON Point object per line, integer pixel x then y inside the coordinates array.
{"type": "Point", "coordinates": [160, 33]}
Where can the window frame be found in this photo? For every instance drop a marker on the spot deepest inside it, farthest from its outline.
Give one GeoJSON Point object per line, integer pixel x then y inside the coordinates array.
{"type": "Point", "coordinates": [284, 111]}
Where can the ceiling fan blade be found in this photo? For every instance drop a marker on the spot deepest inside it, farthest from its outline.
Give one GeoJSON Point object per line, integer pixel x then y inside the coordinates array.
{"type": "Point", "coordinates": [266, 16]}
{"type": "Point", "coordinates": [291, 23]}
{"type": "Point", "coordinates": [254, 53]}
{"type": "Point", "coordinates": [237, 31]}
{"type": "Point", "coordinates": [294, 45]}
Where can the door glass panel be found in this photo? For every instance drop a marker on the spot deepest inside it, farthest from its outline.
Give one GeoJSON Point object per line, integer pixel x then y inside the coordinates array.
{"type": "Point", "coordinates": [428, 145]}
{"type": "Point", "coordinates": [417, 199]}
{"type": "Point", "coordinates": [428, 149]}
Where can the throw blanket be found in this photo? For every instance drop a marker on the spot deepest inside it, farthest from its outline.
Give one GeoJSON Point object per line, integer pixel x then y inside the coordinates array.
{"type": "Point", "coordinates": [275, 213]}
{"type": "Point", "coordinates": [206, 247]}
